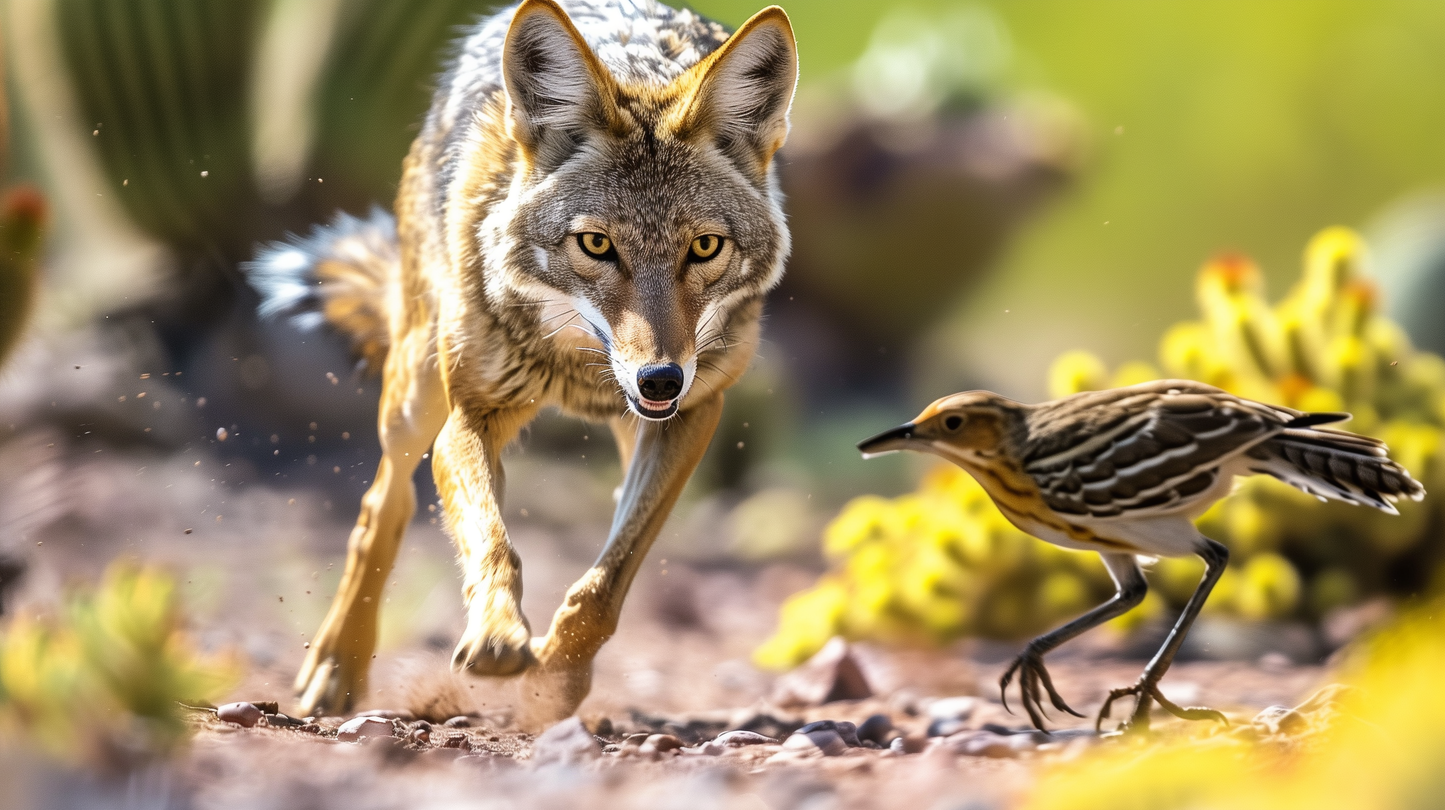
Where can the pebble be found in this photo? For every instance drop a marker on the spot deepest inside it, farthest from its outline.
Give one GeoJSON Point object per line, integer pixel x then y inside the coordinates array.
{"type": "Point", "coordinates": [242, 714]}
{"type": "Point", "coordinates": [831, 674]}
{"type": "Point", "coordinates": [420, 733]}
{"type": "Point", "coordinates": [1281, 720]}
{"type": "Point", "coordinates": [460, 721]}
{"type": "Point", "coordinates": [280, 720]}
{"type": "Point", "coordinates": [826, 740]}
{"type": "Point", "coordinates": [740, 738]}
{"type": "Point", "coordinates": [878, 729]}
{"type": "Point", "coordinates": [659, 744]}
{"type": "Point", "coordinates": [908, 744]}
{"type": "Point", "coordinates": [707, 749]}
{"type": "Point", "coordinates": [845, 730]}
{"type": "Point", "coordinates": [567, 743]}
{"type": "Point", "coordinates": [949, 716]}
{"type": "Point", "coordinates": [359, 728]}
{"type": "Point", "coordinates": [388, 714]}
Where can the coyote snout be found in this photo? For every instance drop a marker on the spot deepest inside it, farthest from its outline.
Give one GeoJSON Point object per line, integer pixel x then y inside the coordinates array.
{"type": "Point", "coordinates": [590, 210]}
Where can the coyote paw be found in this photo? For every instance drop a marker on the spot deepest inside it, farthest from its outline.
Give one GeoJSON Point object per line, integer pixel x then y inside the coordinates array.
{"type": "Point", "coordinates": [326, 685]}
{"type": "Point", "coordinates": [494, 648]}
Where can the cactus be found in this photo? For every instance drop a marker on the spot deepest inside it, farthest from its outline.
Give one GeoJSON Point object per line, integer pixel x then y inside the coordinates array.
{"type": "Point", "coordinates": [107, 675]}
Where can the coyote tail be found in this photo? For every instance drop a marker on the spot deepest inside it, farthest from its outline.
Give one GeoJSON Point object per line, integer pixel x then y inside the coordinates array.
{"type": "Point", "coordinates": [1335, 465]}
{"type": "Point", "coordinates": [337, 275]}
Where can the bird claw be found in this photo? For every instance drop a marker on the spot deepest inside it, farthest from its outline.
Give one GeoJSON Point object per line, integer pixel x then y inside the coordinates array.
{"type": "Point", "coordinates": [1141, 720]}
{"type": "Point", "coordinates": [1034, 682]}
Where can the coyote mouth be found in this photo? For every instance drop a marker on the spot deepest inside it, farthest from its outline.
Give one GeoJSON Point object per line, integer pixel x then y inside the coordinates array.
{"type": "Point", "coordinates": [652, 409]}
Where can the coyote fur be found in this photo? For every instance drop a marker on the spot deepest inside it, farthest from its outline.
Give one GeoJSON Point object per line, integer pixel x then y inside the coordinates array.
{"type": "Point", "coordinates": [589, 219]}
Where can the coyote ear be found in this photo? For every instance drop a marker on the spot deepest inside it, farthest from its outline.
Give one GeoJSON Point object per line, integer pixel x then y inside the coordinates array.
{"type": "Point", "coordinates": [557, 89]}
{"type": "Point", "coordinates": [744, 90]}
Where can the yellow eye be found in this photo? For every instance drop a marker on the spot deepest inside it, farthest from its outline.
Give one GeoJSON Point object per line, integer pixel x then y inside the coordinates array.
{"type": "Point", "coordinates": [705, 247]}
{"type": "Point", "coordinates": [596, 245]}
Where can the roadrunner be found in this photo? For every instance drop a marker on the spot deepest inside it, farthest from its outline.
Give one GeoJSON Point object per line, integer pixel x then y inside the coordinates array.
{"type": "Point", "coordinates": [1125, 472]}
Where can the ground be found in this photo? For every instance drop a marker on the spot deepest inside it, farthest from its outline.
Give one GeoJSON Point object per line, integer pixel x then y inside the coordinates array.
{"type": "Point", "coordinates": [259, 559]}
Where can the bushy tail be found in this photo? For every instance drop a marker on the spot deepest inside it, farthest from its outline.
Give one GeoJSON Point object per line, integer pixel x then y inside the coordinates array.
{"type": "Point", "coordinates": [1334, 464]}
{"type": "Point", "coordinates": [339, 275]}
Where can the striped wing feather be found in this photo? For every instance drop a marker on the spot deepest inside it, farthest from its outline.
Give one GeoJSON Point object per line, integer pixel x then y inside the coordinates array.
{"type": "Point", "coordinates": [1144, 450]}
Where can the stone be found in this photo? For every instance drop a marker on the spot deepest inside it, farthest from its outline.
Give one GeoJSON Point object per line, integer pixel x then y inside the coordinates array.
{"type": "Point", "coordinates": [461, 721]}
{"type": "Point", "coordinates": [360, 728]}
{"type": "Point", "coordinates": [245, 715]}
{"type": "Point", "coordinates": [1280, 720]}
{"type": "Point", "coordinates": [908, 744]}
{"type": "Point", "coordinates": [740, 738]}
{"type": "Point", "coordinates": [826, 741]}
{"type": "Point", "coordinates": [388, 714]}
{"type": "Point", "coordinates": [946, 726]}
{"type": "Point", "coordinates": [567, 743]}
{"type": "Point", "coordinates": [659, 744]}
{"type": "Point", "coordinates": [831, 674]}
{"type": "Point", "coordinates": [847, 731]}
{"type": "Point", "coordinates": [279, 720]}
{"type": "Point", "coordinates": [953, 708]}
{"type": "Point", "coordinates": [878, 729]}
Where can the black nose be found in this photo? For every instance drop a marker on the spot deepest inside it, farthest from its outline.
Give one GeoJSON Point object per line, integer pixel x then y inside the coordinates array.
{"type": "Point", "coordinates": [661, 382]}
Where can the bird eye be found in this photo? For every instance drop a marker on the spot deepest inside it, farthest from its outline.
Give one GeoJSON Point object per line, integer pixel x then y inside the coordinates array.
{"type": "Point", "coordinates": [953, 422]}
{"type": "Point", "coordinates": [597, 245]}
{"type": "Point", "coordinates": [705, 247]}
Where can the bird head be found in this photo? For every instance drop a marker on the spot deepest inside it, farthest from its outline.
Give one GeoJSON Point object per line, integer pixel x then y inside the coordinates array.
{"type": "Point", "coordinates": [963, 428]}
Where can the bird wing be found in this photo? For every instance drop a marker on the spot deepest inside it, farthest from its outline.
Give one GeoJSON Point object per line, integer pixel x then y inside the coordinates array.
{"type": "Point", "coordinates": [1141, 451]}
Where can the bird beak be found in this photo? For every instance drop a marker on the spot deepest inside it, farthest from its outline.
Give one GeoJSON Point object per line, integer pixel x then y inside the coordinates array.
{"type": "Point", "coordinates": [888, 441]}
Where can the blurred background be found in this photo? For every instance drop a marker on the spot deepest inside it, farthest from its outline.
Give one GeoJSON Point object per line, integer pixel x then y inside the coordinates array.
{"type": "Point", "coordinates": [1016, 195]}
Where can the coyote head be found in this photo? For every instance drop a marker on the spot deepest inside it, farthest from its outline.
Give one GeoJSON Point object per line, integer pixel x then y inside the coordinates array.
{"type": "Point", "coordinates": [646, 203]}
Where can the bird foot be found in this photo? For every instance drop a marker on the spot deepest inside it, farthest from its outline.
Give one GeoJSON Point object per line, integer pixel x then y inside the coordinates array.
{"type": "Point", "coordinates": [1034, 681]}
{"type": "Point", "coordinates": [1145, 691]}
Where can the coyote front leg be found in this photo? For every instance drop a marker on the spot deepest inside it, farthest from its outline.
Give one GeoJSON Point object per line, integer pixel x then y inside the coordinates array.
{"type": "Point", "coordinates": [412, 408]}
{"type": "Point", "coordinates": [664, 456]}
{"type": "Point", "coordinates": [468, 471]}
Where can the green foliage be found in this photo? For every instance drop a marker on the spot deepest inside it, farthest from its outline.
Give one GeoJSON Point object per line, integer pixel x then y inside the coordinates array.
{"type": "Point", "coordinates": [109, 674]}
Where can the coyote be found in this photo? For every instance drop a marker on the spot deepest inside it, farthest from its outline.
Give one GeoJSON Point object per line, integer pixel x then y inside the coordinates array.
{"type": "Point", "coordinates": [589, 219]}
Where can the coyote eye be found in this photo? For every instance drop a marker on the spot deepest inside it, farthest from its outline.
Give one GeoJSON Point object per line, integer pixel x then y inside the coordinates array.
{"type": "Point", "coordinates": [705, 247]}
{"type": "Point", "coordinates": [597, 245]}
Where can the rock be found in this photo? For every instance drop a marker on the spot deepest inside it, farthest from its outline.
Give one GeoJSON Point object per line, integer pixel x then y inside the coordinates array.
{"type": "Point", "coordinates": [567, 743]}
{"type": "Point", "coordinates": [455, 740]}
{"type": "Point", "coordinates": [659, 744]}
{"type": "Point", "coordinates": [878, 729]}
{"type": "Point", "coordinates": [953, 708]}
{"type": "Point", "coordinates": [946, 727]}
{"type": "Point", "coordinates": [908, 744]}
{"type": "Point", "coordinates": [360, 728]}
{"type": "Point", "coordinates": [267, 706]}
{"type": "Point", "coordinates": [847, 731]}
{"type": "Point", "coordinates": [283, 721]}
{"type": "Point", "coordinates": [831, 674]}
{"type": "Point", "coordinates": [243, 714]}
{"type": "Point", "coordinates": [823, 740]}
{"type": "Point", "coordinates": [1280, 720]}
{"type": "Point", "coordinates": [950, 715]}
{"type": "Point", "coordinates": [388, 714]}
{"type": "Point", "coordinates": [707, 749]}
{"type": "Point", "coordinates": [740, 738]}
{"type": "Point", "coordinates": [420, 733]}
{"type": "Point", "coordinates": [461, 721]}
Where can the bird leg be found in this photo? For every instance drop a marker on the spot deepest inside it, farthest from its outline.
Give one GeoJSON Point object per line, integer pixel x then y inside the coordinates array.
{"type": "Point", "coordinates": [1146, 690]}
{"type": "Point", "coordinates": [1034, 678]}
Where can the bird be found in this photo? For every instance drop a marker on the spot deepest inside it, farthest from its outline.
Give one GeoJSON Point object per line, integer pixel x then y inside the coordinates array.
{"type": "Point", "coordinates": [1124, 472]}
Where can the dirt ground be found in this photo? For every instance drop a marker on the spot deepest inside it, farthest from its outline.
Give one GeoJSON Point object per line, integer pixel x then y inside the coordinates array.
{"type": "Point", "coordinates": [259, 555]}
